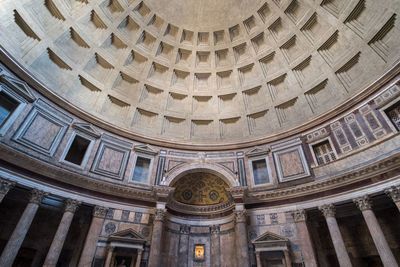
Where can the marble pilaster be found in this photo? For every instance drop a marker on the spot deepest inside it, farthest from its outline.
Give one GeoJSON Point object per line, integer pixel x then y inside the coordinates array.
{"type": "Point", "coordinates": [387, 257]}
{"type": "Point", "coordinates": [61, 234]}
{"type": "Point", "coordinates": [300, 218]}
{"type": "Point", "coordinates": [329, 213]}
{"type": "Point", "coordinates": [92, 237]}
{"type": "Point", "coordinates": [394, 193]}
{"type": "Point", "coordinates": [139, 258]}
{"type": "Point", "coordinates": [156, 238]}
{"type": "Point", "coordinates": [215, 245]}
{"type": "Point", "coordinates": [110, 251]}
{"type": "Point", "coordinates": [183, 243]}
{"type": "Point", "coordinates": [258, 258]}
{"type": "Point", "coordinates": [5, 186]}
{"type": "Point", "coordinates": [17, 237]}
{"type": "Point", "coordinates": [242, 251]}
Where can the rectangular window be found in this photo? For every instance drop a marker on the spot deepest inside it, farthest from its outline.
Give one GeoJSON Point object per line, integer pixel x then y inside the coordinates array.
{"type": "Point", "coordinates": [7, 107]}
{"type": "Point", "coordinates": [260, 172]}
{"type": "Point", "coordinates": [77, 150]}
{"type": "Point", "coordinates": [324, 152]}
{"type": "Point", "coordinates": [142, 168]}
{"type": "Point", "coordinates": [394, 115]}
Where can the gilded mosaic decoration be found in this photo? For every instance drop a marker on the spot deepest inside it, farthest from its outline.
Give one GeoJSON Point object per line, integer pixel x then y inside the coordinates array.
{"type": "Point", "coordinates": [201, 189]}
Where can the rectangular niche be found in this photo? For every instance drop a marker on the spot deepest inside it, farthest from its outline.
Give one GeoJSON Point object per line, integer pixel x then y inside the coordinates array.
{"type": "Point", "coordinates": [111, 8]}
{"type": "Point", "coordinates": [279, 30]}
{"type": "Point", "coordinates": [135, 61]}
{"type": "Point", "coordinates": [258, 122]}
{"type": "Point", "coordinates": [43, 129]}
{"type": "Point", "coordinates": [222, 58]}
{"type": "Point", "coordinates": [156, 23]}
{"type": "Point", "coordinates": [224, 80]}
{"type": "Point", "coordinates": [129, 27]}
{"type": "Point", "coordinates": [180, 79]}
{"type": "Point", "coordinates": [202, 129]}
{"type": "Point", "coordinates": [254, 97]}
{"type": "Point", "coordinates": [261, 171]}
{"type": "Point", "coordinates": [219, 37]}
{"type": "Point", "coordinates": [234, 32]}
{"type": "Point", "coordinates": [84, 93]}
{"type": "Point", "coordinates": [187, 37]}
{"type": "Point", "coordinates": [318, 96]}
{"type": "Point", "coordinates": [99, 68]}
{"type": "Point", "coordinates": [292, 49]}
{"type": "Point", "coordinates": [290, 160]}
{"type": "Point", "coordinates": [114, 46]}
{"type": "Point", "coordinates": [93, 25]}
{"type": "Point", "coordinates": [286, 110]}
{"type": "Point", "coordinates": [73, 45]}
{"type": "Point", "coordinates": [264, 12]}
{"type": "Point", "coordinates": [174, 126]}
{"type": "Point", "coordinates": [271, 64]}
{"type": "Point", "coordinates": [230, 128]}
{"type": "Point", "coordinates": [23, 33]}
{"type": "Point", "coordinates": [315, 28]}
{"type": "Point", "coordinates": [202, 104]}
{"type": "Point", "coordinates": [151, 96]}
{"type": "Point", "coordinates": [248, 75]}
{"type": "Point", "coordinates": [202, 81]}
{"type": "Point", "coordinates": [164, 51]}
{"type": "Point", "coordinates": [141, 10]}
{"type": "Point", "coordinates": [386, 39]}
{"type": "Point", "coordinates": [335, 48]}
{"type": "Point", "coordinates": [228, 103]}
{"type": "Point", "coordinates": [115, 108]}
{"type": "Point", "coordinates": [250, 24]}
{"type": "Point", "coordinates": [171, 32]}
{"type": "Point", "coordinates": [296, 11]}
{"type": "Point", "coordinates": [277, 86]}
{"type": "Point", "coordinates": [184, 57]}
{"type": "Point", "coordinates": [203, 59]}
{"type": "Point", "coordinates": [177, 102]}
{"type": "Point", "coordinates": [307, 71]}
{"type": "Point", "coordinates": [126, 84]}
{"type": "Point", "coordinates": [146, 41]}
{"type": "Point", "coordinates": [50, 16]}
{"type": "Point", "coordinates": [351, 72]}
{"type": "Point", "coordinates": [111, 157]}
{"type": "Point", "coordinates": [158, 73]}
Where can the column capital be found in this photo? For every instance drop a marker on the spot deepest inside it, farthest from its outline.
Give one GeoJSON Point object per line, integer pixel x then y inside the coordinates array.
{"type": "Point", "coordinates": [184, 229]}
{"type": "Point", "coordinates": [363, 203]}
{"type": "Point", "coordinates": [240, 216]}
{"type": "Point", "coordinates": [214, 229]}
{"type": "Point", "coordinates": [6, 185]}
{"type": "Point", "coordinates": [159, 215]}
{"type": "Point", "coordinates": [328, 210]}
{"type": "Point", "coordinates": [394, 193]}
{"type": "Point", "coordinates": [99, 211]}
{"type": "Point", "coordinates": [299, 215]}
{"type": "Point", "coordinates": [37, 196]}
{"type": "Point", "coordinates": [71, 205]}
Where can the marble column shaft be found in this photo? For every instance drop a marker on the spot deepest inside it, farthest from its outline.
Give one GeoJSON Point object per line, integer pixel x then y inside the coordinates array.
{"type": "Point", "coordinates": [156, 238]}
{"type": "Point", "coordinates": [139, 258]}
{"type": "Point", "coordinates": [288, 261]}
{"type": "Point", "coordinates": [242, 250]}
{"type": "Point", "coordinates": [18, 235]}
{"type": "Point", "coordinates": [183, 243]}
{"type": "Point", "coordinates": [215, 247]}
{"type": "Point", "coordinates": [394, 193]}
{"type": "Point", "coordinates": [61, 234]}
{"type": "Point", "coordinates": [110, 251]}
{"type": "Point", "coordinates": [258, 258]}
{"type": "Point", "coordinates": [385, 253]}
{"type": "Point", "coordinates": [92, 237]}
{"type": "Point", "coordinates": [337, 239]}
{"type": "Point", "coordinates": [5, 186]}
{"type": "Point", "coordinates": [307, 249]}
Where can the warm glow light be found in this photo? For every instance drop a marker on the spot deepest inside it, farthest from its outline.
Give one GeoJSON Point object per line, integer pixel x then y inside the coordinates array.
{"type": "Point", "coordinates": [199, 252]}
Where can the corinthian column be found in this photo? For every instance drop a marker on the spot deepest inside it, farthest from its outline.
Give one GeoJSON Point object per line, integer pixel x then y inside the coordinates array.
{"type": "Point", "coordinates": [300, 218]}
{"type": "Point", "coordinates": [156, 238]}
{"type": "Point", "coordinates": [92, 237]}
{"type": "Point", "coordinates": [215, 248]}
{"type": "Point", "coordinates": [242, 250]}
{"type": "Point", "coordinates": [329, 212]}
{"type": "Point", "coordinates": [394, 193]}
{"type": "Point", "coordinates": [5, 186]}
{"type": "Point", "coordinates": [58, 241]}
{"type": "Point", "coordinates": [365, 205]}
{"type": "Point", "coordinates": [17, 237]}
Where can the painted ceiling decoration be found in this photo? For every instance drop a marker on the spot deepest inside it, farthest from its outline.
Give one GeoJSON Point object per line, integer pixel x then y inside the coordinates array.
{"type": "Point", "coordinates": [201, 189]}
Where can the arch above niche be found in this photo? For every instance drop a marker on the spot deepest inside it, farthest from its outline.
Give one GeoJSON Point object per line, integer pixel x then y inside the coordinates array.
{"type": "Point", "coordinates": [188, 168]}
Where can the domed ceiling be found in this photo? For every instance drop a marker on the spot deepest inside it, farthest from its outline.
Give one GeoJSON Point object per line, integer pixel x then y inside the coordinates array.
{"type": "Point", "coordinates": [203, 72]}
{"type": "Point", "coordinates": [201, 189]}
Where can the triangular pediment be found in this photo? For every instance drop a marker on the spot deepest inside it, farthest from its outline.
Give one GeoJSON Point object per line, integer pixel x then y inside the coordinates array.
{"type": "Point", "coordinates": [19, 87]}
{"type": "Point", "coordinates": [86, 128]}
{"type": "Point", "coordinates": [257, 151]}
{"type": "Point", "coordinates": [145, 149]}
{"type": "Point", "coordinates": [128, 234]}
{"type": "Point", "coordinates": [270, 237]}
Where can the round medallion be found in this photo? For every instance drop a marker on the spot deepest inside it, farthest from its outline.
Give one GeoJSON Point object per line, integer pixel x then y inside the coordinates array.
{"type": "Point", "coordinates": [213, 195]}
{"type": "Point", "coordinates": [110, 228]}
{"type": "Point", "coordinates": [187, 194]}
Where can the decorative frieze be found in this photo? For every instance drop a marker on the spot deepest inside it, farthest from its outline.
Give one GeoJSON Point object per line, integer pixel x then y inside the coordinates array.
{"type": "Point", "coordinates": [99, 211]}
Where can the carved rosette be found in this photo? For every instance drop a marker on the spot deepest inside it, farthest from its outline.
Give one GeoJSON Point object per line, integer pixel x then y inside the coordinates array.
{"type": "Point", "coordinates": [240, 216]}
{"type": "Point", "coordinates": [159, 215]}
{"type": "Point", "coordinates": [185, 229]}
{"type": "Point", "coordinates": [363, 203]}
{"type": "Point", "coordinates": [328, 210]}
{"type": "Point", "coordinates": [71, 205]}
{"type": "Point", "coordinates": [299, 215]}
{"type": "Point", "coordinates": [214, 229]}
{"type": "Point", "coordinates": [37, 196]}
{"type": "Point", "coordinates": [5, 186]}
{"type": "Point", "coordinates": [394, 193]}
{"type": "Point", "coordinates": [99, 211]}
